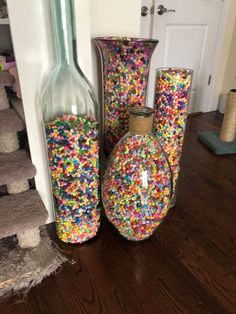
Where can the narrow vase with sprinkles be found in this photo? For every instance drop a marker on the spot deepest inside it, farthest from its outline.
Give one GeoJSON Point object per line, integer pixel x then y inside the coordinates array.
{"type": "Point", "coordinates": [125, 66]}
{"type": "Point", "coordinates": [172, 96]}
{"type": "Point", "coordinates": [137, 184]}
{"type": "Point", "coordinates": [70, 112]}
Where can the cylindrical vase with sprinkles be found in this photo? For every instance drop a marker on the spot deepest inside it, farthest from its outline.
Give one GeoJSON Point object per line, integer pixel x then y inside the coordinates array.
{"type": "Point", "coordinates": [125, 67]}
{"type": "Point", "coordinates": [70, 113]}
{"type": "Point", "coordinates": [172, 96]}
{"type": "Point", "coordinates": [137, 184]}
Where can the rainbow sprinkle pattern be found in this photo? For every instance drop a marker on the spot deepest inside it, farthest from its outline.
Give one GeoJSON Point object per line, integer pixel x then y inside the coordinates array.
{"type": "Point", "coordinates": [73, 152]}
{"type": "Point", "coordinates": [125, 76]}
{"type": "Point", "coordinates": [137, 186]}
{"type": "Point", "coordinates": [172, 96]}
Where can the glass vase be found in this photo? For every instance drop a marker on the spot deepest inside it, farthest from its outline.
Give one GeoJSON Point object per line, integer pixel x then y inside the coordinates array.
{"type": "Point", "coordinates": [172, 96]}
{"type": "Point", "coordinates": [125, 68]}
{"type": "Point", "coordinates": [137, 184]}
{"type": "Point", "coordinates": [70, 113]}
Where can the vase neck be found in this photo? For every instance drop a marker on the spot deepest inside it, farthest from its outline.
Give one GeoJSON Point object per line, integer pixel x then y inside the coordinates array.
{"type": "Point", "coordinates": [140, 120]}
{"type": "Point", "coordinates": [63, 30]}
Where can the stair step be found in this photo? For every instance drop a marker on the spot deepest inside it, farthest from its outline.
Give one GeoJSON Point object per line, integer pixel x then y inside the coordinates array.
{"type": "Point", "coordinates": [6, 79]}
{"type": "Point", "coordinates": [21, 212]}
{"type": "Point", "coordinates": [16, 166]}
{"type": "Point", "coordinates": [18, 106]}
{"type": "Point", "coordinates": [10, 121]}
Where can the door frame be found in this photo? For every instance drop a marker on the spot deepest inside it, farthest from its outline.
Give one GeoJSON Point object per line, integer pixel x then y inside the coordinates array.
{"type": "Point", "coordinates": [212, 102]}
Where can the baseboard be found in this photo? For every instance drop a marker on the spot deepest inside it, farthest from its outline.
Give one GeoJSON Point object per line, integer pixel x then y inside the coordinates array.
{"type": "Point", "coordinates": [213, 105]}
{"type": "Point", "coordinates": [190, 115]}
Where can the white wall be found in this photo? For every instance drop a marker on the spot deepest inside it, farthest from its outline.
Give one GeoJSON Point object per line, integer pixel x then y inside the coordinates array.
{"type": "Point", "coordinates": [112, 18]}
{"type": "Point", "coordinates": [115, 17]}
{"type": "Point", "coordinates": [229, 78]}
{"type": "Point", "coordinates": [226, 56]}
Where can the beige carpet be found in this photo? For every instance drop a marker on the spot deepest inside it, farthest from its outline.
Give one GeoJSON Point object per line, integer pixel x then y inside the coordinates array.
{"type": "Point", "coordinates": [21, 269]}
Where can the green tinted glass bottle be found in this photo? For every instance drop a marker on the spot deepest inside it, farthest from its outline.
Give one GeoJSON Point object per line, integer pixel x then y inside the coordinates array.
{"type": "Point", "coordinates": [70, 113]}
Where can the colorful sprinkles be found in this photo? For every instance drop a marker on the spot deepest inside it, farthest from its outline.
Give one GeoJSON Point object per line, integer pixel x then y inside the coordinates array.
{"type": "Point", "coordinates": [136, 188]}
{"type": "Point", "coordinates": [73, 151]}
{"type": "Point", "coordinates": [125, 74]}
{"type": "Point", "coordinates": [173, 86]}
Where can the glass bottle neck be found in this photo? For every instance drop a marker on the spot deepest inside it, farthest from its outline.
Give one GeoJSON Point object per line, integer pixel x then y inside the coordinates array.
{"type": "Point", "coordinates": [140, 125]}
{"type": "Point", "coordinates": [63, 28]}
{"type": "Point", "coordinates": [140, 120]}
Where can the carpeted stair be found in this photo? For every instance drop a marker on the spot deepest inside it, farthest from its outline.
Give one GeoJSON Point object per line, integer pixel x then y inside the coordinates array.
{"type": "Point", "coordinates": [21, 212]}
{"type": "Point", "coordinates": [6, 79]}
{"type": "Point", "coordinates": [15, 166]}
{"type": "Point", "coordinates": [10, 122]}
{"type": "Point", "coordinates": [25, 263]}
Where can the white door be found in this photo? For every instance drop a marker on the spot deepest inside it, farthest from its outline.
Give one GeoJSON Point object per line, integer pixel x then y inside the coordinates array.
{"type": "Point", "coordinates": [187, 38]}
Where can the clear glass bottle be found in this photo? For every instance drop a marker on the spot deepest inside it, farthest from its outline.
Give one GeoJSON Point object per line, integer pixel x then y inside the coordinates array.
{"type": "Point", "coordinates": [137, 184]}
{"type": "Point", "coordinates": [172, 97]}
{"type": "Point", "coordinates": [70, 113]}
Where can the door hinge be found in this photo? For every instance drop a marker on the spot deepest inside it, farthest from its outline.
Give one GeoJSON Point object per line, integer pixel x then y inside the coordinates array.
{"type": "Point", "coordinates": [209, 79]}
{"type": "Point", "coordinates": [152, 9]}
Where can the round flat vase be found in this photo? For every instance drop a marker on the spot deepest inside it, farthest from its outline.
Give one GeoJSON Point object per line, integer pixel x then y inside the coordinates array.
{"type": "Point", "coordinates": [137, 184]}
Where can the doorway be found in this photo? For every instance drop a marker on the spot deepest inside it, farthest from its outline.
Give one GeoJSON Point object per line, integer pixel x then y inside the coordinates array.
{"type": "Point", "coordinates": [187, 31]}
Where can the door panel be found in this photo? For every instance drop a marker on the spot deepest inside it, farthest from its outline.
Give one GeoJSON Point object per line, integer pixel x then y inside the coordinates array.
{"type": "Point", "coordinates": [185, 46]}
{"type": "Point", "coordinates": [187, 38]}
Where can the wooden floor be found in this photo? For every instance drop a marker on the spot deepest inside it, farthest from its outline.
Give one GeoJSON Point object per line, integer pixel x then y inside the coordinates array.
{"type": "Point", "coordinates": [188, 266]}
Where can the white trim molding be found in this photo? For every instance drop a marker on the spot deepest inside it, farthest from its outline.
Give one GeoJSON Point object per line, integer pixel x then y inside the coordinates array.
{"type": "Point", "coordinates": [216, 64]}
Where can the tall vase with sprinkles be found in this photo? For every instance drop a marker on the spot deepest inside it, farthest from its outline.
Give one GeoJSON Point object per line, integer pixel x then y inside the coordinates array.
{"type": "Point", "coordinates": [70, 113]}
{"type": "Point", "coordinates": [172, 96]}
{"type": "Point", "coordinates": [125, 69]}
